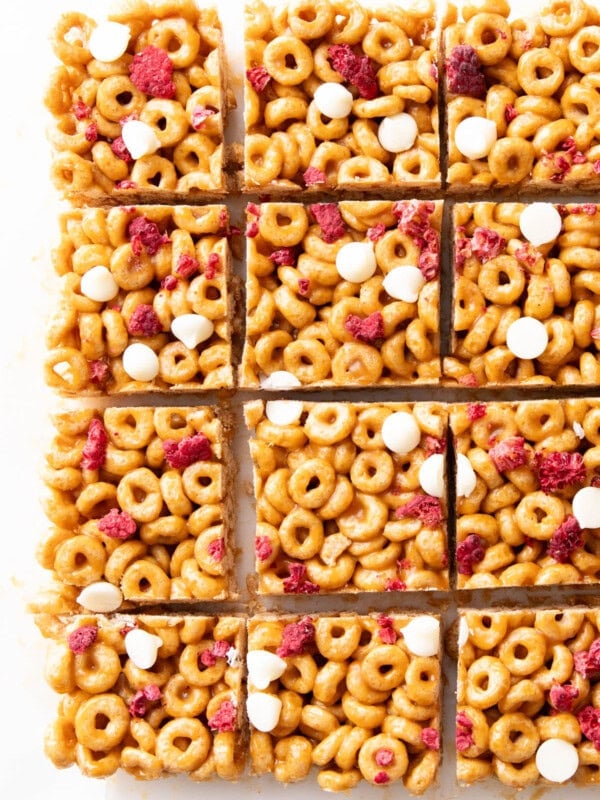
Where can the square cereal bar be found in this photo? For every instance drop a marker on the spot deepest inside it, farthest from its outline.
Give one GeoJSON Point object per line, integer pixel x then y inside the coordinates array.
{"type": "Point", "coordinates": [528, 697]}
{"type": "Point", "coordinates": [340, 96]}
{"type": "Point", "coordinates": [151, 695]}
{"type": "Point", "coordinates": [138, 104]}
{"type": "Point", "coordinates": [140, 505]}
{"type": "Point", "coordinates": [349, 496]}
{"type": "Point", "coordinates": [355, 696]}
{"type": "Point", "coordinates": [526, 294]}
{"type": "Point", "coordinates": [342, 294]}
{"type": "Point", "coordinates": [145, 301]}
{"type": "Point", "coordinates": [527, 498]}
{"type": "Point", "coordinates": [523, 106]}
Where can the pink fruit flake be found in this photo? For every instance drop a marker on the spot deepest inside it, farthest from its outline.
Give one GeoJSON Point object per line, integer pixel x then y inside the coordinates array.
{"type": "Point", "coordinates": [263, 548]}
{"type": "Point", "coordinates": [251, 229]}
{"type": "Point", "coordinates": [589, 722]}
{"type": "Point", "coordinates": [510, 112]}
{"type": "Point", "coordinates": [120, 149]}
{"type": "Point", "coordinates": [145, 233]}
{"type": "Point", "coordinates": [431, 738]}
{"type": "Point", "coordinates": [413, 220]}
{"type": "Point", "coordinates": [464, 72]}
{"type": "Point", "coordinates": [143, 698]}
{"type": "Point", "coordinates": [91, 132]}
{"type": "Point", "coordinates": [99, 371]}
{"type": "Point", "coordinates": [527, 255]}
{"type": "Point", "coordinates": [487, 244]}
{"type": "Point", "coordinates": [212, 266]}
{"type": "Point", "coordinates": [394, 585]}
{"type": "Point", "coordinates": [424, 508]}
{"type": "Point", "coordinates": [557, 470]}
{"type": "Point", "coordinates": [117, 524]}
{"type": "Point", "coordinates": [366, 330]}
{"type": "Point", "coordinates": [169, 282]}
{"type": "Point", "coordinates": [297, 582]}
{"type": "Point", "coordinates": [284, 257]}
{"type": "Point", "coordinates": [151, 71]}
{"type": "Point", "coordinates": [462, 251]}
{"type": "Point", "coordinates": [384, 757]}
{"type": "Point", "coordinates": [144, 321]}
{"type": "Point", "coordinates": [509, 453]}
{"type": "Point", "coordinates": [314, 176]}
{"type": "Point", "coordinates": [476, 411]}
{"type": "Point", "coordinates": [434, 445]}
{"type": "Point", "coordinates": [587, 662]}
{"type": "Point", "coordinates": [470, 379]}
{"type": "Point", "coordinates": [388, 635]}
{"type": "Point", "coordinates": [357, 70]}
{"type": "Point", "coordinates": [187, 451]}
{"type": "Point", "coordinates": [216, 549]}
{"type": "Point", "coordinates": [81, 110]}
{"type": "Point", "coordinates": [126, 184]}
{"type": "Point", "coordinates": [296, 637]}
{"type": "Point", "coordinates": [375, 233]}
{"type": "Point", "coordinates": [590, 209]}
{"type": "Point", "coordinates": [199, 116]}
{"type": "Point", "coordinates": [187, 266]}
{"type": "Point", "coordinates": [259, 78]}
{"type": "Point", "coordinates": [303, 286]}
{"type": "Point", "coordinates": [218, 649]}
{"type": "Point", "coordinates": [464, 728]}
{"type": "Point", "coordinates": [330, 220]}
{"type": "Point", "coordinates": [94, 450]}
{"type": "Point", "coordinates": [562, 697]}
{"type": "Point", "coordinates": [82, 639]}
{"type": "Point", "coordinates": [565, 540]}
{"type": "Point", "coordinates": [469, 552]}
{"type": "Point", "coordinates": [381, 777]}
{"type": "Point", "coordinates": [224, 718]}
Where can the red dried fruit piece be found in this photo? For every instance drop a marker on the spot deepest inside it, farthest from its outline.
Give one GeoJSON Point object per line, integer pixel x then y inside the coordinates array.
{"type": "Point", "coordinates": [284, 257]}
{"type": "Point", "coordinates": [330, 220]}
{"type": "Point", "coordinates": [356, 69]}
{"type": "Point", "coordinates": [590, 209]}
{"type": "Point", "coordinates": [145, 233]}
{"type": "Point", "coordinates": [143, 698]}
{"type": "Point", "coordinates": [99, 371]}
{"type": "Point", "coordinates": [81, 110]}
{"type": "Point", "coordinates": [462, 251]}
{"type": "Point", "coordinates": [589, 722]}
{"type": "Point", "coordinates": [433, 445]}
{"type": "Point", "coordinates": [557, 470]}
{"type": "Point", "coordinates": [587, 662]}
{"type": "Point", "coordinates": [562, 697]}
{"type": "Point", "coordinates": [384, 757]}
{"type": "Point", "coordinates": [431, 738]}
{"type": "Point", "coordinates": [82, 639]}
{"type": "Point", "coordinates": [509, 453]}
{"type": "Point", "coordinates": [469, 552]}
{"type": "Point", "coordinates": [258, 78]}
{"type": "Point", "coordinates": [199, 116]}
{"type": "Point", "coordinates": [187, 266]}
{"type": "Point", "coordinates": [486, 244]}
{"type": "Point", "coordinates": [404, 563]}
{"type": "Point", "coordinates": [527, 255]}
{"type": "Point", "coordinates": [169, 282]}
{"type": "Point", "coordinates": [388, 635]}
{"type": "Point", "coordinates": [470, 379]}
{"type": "Point", "coordinates": [465, 73]}
{"type": "Point", "coordinates": [394, 585]}
{"type": "Point", "coordinates": [212, 266]}
{"type": "Point", "coordinates": [424, 508]}
{"type": "Point", "coordinates": [144, 321]}
{"type": "Point", "coordinates": [263, 548]}
{"type": "Point", "coordinates": [565, 540]}
{"type": "Point", "coordinates": [303, 286]}
{"type": "Point", "coordinates": [297, 583]}
{"type": "Point", "coordinates": [251, 229]}
{"type": "Point", "coordinates": [224, 719]}
{"type": "Point", "coordinates": [433, 71]}
{"type": "Point", "coordinates": [126, 184]}
{"type": "Point", "coordinates": [367, 330]}
{"type": "Point", "coordinates": [464, 728]}
{"type": "Point", "coordinates": [413, 220]}
{"type": "Point", "coordinates": [476, 411]}
{"type": "Point", "coordinates": [375, 233]}
{"type": "Point", "coordinates": [510, 112]}
{"type": "Point", "coordinates": [91, 132]}
{"type": "Point", "coordinates": [187, 450]}
{"type": "Point", "coordinates": [296, 637]}
{"type": "Point", "coordinates": [151, 71]}
{"type": "Point", "coordinates": [252, 208]}
{"type": "Point", "coordinates": [216, 549]}
{"type": "Point", "coordinates": [94, 450]}
{"type": "Point", "coordinates": [314, 176]}
{"type": "Point", "coordinates": [381, 777]}
{"type": "Point", "coordinates": [218, 649]}
{"type": "Point", "coordinates": [117, 524]}
{"type": "Point", "coordinates": [120, 150]}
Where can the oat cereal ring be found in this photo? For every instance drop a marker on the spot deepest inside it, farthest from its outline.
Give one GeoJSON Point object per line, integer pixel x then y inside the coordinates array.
{"type": "Point", "coordinates": [367, 756]}
{"type": "Point", "coordinates": [103, 706]}
{"type": "Point", "coordinates": [180, 731]}
{"type": "Point", "coordinates": [478, 31]}
{"type": "Point", "coordinates": [523, 651]}
{"type": "Point", "coordinates": [488, 680]}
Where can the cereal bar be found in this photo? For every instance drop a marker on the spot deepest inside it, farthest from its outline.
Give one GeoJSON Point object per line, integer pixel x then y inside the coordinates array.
{"type": "Point", "coordinates": [138, 104]}
{"type": "Point", "coordinates": [523, 105]}
{"type": "Point", "coordinates": [527, 283]}
{"type": "Point", "coordinates": [340, 96]}
{"type": "Point", "coordinates": [151, 695]}
{"type": "Point", "coordinates": [146, 301]}
{"type": "Point", "coordinates": [355, 696]}
{"type": "Point", "coordinates": [529, 697]}
{"type": "Point", "coordinates": [342, 294]}
{"type": "Point", "coordinates": [527, 491]}
{"type": "Point", "coordinates": [349, 496]}
{"type": "Point", "coordinates": [137, 502]}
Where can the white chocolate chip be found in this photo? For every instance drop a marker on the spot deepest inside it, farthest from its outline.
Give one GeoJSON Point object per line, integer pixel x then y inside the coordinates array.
{"type": "Point", "coordinates": [280, 379]}
{"type": "Point", "coordinates": [140, 362]}
{"type": "Point", "coordinates": [578, 430]}
{"type": "Point", "coordinates": [404, 283]}
{"type": "Point", "coordinates": [463, 632]}
{"type": "Point", "coordinates": [397, 133]}
{"type": "Point", "coordinates": [109, 40]}
{"type": "Point", "coordinates": [431, 475]}
{"type": "Point", "coordinates": [283, 412]}
{"type": "Point", "coordinates": [422, 636]}
{"type": "Point", "coordinates": [139, 138]}
{"type": "Point", "coordinates": [400, 432]}
{"type": "Point", "coordinates": [475, 137]}
{"type": "Point", "coordinates": [540, 223]}
{"type": "Point", "coordinates": [233, 657]}
{"type": "Point", "coordinates": [333, 100]}
{"type": "Point", "coordinates": [466, 479]}
{"type": "Point", "coordinates": [263, 710]}
{"type": "Point", "coordinates": [557, 760]}
{"type": "Point", "coordinates": [586, 507]}
{"type": "Point", "coordinates": [527, 337]}
{"type": "Point", "coordinates": [264, 667]}
{"type": "Point", "coordinates": [355, 261]}
{"type": "Point", "coordinates": [142, 647]}
{"type": "Point", "coordinates": [101, 597]}
{"type": "Point", "coordinates": [192, 329]}
{"type": "Point", "coordinates": [99, 284]}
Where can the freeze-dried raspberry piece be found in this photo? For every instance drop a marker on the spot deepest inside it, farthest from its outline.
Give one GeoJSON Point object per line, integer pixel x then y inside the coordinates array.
{"type": "Point", "coordinates": [82, 638]}
{"type": "Point", "coordinates": [117, 524]}
{"type": "Point", "coordinates": [91, 132]}
{"type": "Point", "coordinates": [263, 548]}
{"type": "Point", "coordinates": [145, 233]}
{"type": "Point", "coordinates": [187, 451]}
{"type": "Point", "coordinates": [510, 112]}
{"type": "Point", "coordinates": [169, 282]}
{"type": "Point", "coordinates": [143, 698]}
{"type": "Point", "coordinates": [476, 411]}
{"type": "Point", "coordinates": [464, 728]}
{"type": "Point", "coordinates": [424, 508]}
{"type": "Point", "coordinates": [126, 184]}
{"type": "Point", "coordinates": [464, 71]}
{"type": "Point", "coordinates": [314, 176]}
{"type": "Point", "coordinates": [284, 257]}
{"type": "Point", "coordinates": [375, 233]}
{"type": "Point", "coordinates": [366, 330]}
{"type": "Point", "coordinates": [303, 286]}
{"type": "Point", "coordinates": [213, 263]}
{"type": "Point", "coordinates": [384, 757]}
{"type": "Point", "coordinates": [151, 71]}
{"type": "Point", "coordinates": [251, 229]}
{"type": "Point", "coordinates": [469, 552]}
{"type": "Point", "coordinates": [394, 585]}
{"type": "Point", "coordinates": [330, 220]}
{"type": "Point", "coordinates": [596, 167]}
{"type": "Point", "coordinates": [433, 71]}
{"type": "Point", "coordinates": [486, 244]}
{"type": "Point", "coordinates": [259, 78]}
{"type": "Point", "coordinates": [388, 635]}
{"type": "Point", "coordinates": [357, 70]}
{"type": "Point", "coordinates": [224, 718]}
{"type": "Point", "coordinates": [297, 582]}
{"type": "Point", "coordinates": [585, 208]}
{"type": "Point", "coordinates": [470, 379]}
{"type": "Point", "coordinates": [120, 149]}
{"type": "Point", "coordinates": [216, 549]}
{"type": "Point", "coordinates": [81, 110]}
{"type": "Point", "coordinates": [434, 445]}
{"type": "Point", "coordinates": [199, 116]}
{"type": "Point", "coordinates": [562, 697]}
{"type": "Point", "coordinates": [218, 649]}
{"type": "Point", "coordinates": [144, 321]}
{"type": "Point", "coordinates": [527, 255]}
{"type": "Point", "coordinates": [589, 722]}
{"type": "Point", "coordinates": [431, 738]}
{"type": "Point", "coordinates": [509, 453]}
{"type": "Point", "coordinates": [429, 263]}
{"type": "Point", "coordinates": [559, 164]}
{"type": "Point", "coordinates": [187, 266]}
{"type": "Point", "coordinates": [296, 637]}
{"type": "Point", "coordinates": [565, 540]}
{"type": "Point", "coordinates": [94, 450]}
{"type": "Point", "coordinates": [587, 662]}
{"type": "Point", "coordinates": [413, 217]}
{"type": "Point", "coordinates": [381, 777]}
{"type": "Point", "coordinates": [462, 251]}
{"type": "Point", "coordinates": [557, 470]}
{"type": "Point", "coordinates": [99, 371]}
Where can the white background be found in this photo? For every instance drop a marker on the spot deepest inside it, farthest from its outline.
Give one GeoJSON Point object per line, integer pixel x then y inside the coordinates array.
{"type": "Point", "coordinates": [28, 213]}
